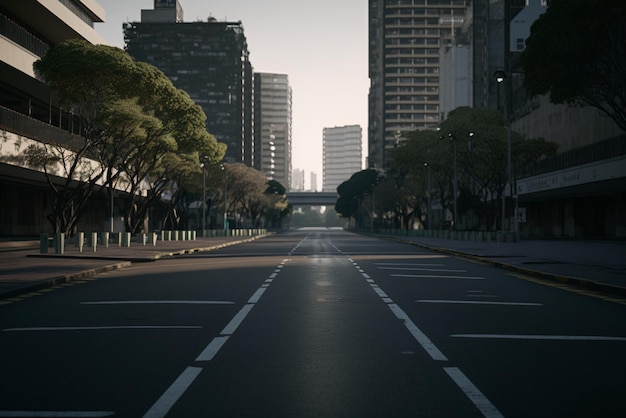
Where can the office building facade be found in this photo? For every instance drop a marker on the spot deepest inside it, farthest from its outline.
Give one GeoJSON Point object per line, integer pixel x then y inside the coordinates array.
{"type": "Point", "coordinates": [210, 61]}
{"type": "Point", "coordinates": [273, 119]}
{"type": "Point", "coordinates": [342, 153]}
{"type": "Point", "coordinates": [404, 66]}
{"type": "Point", "coordinates": [30, 113]}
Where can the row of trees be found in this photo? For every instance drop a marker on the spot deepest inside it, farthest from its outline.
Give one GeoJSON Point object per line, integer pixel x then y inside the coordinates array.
{"type": "Point", "coordinates": [249, 196]}
{"type": "Point", "coordinates": [401, 194]}
{"type": "Point", "coordinates": [139, 134]}
{"type": "Point", "coordinates": [572, 66]}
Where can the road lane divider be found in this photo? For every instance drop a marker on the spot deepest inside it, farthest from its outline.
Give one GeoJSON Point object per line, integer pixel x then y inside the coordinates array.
{"type": "Point", "coordinates": [216, 344]}
{"type": "Point", "coordinates": [173, 393]}
{"type": "Point", "coordinates": [467, 387]}
{"type": "Point", "coordinates": [471, 391]}
{"type": "Point", "coordinates": [56, 414]}
{"type": "Point", "coordinates": [478, 302]}
{"type": "Point", "coordinates": [182, 383]}
{"type": "Point", "coordinates": [432, 276]}
{"type": "Point", "coordinates": [541, 337]}
{"type": "Point", "coordinates": [160, 302]}
{"type": "Point", "coordinates": [419, 336]}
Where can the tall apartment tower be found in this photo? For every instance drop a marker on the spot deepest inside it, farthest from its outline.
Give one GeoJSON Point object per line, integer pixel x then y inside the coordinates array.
{"type": "Point", "coordinates": [210, 61]}
{"type": "Point", "coordinates": [272, 107]}
{"type": "Point", "coordinates": [342, 155]}
{"type": "Point", "coordinates": [313, 184]}
{"type": "Point", "coordinates": [297, 180]}
{"type": "Point", "coordinates": [404, 44]}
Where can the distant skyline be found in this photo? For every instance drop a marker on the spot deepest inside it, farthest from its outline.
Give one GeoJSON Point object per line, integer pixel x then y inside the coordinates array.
{"type": "Point", "coordinates": [321, 46]}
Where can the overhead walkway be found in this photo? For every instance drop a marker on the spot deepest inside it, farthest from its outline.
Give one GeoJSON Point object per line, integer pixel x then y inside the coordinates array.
{"type": "Point", "coordinates": [312, 198]}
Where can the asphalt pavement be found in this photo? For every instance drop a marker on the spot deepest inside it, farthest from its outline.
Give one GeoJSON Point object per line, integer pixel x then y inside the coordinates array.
{"type": "Point", "coordinates": [599, 265]}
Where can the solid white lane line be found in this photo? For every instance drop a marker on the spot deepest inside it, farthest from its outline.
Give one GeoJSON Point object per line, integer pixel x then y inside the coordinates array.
{"type": "Point", "coordinates": [421, 269]}
{"type": "Point", "coordinates": [134, 327]}
{"type": "Point", "coordinates": [411, 264]}
{"type": "Point", "coordinates": [211, 350]}
{"type": "Point", "coordinates": [421, 338]}
{"type": "Point", "coordinates": [482, 296]}
{"type": "Point", "coordinates": [478, 302]}
{"type": "Point", "coordinates": [237, 319]}
{"type": "Point", "coordinates": [542, 337]}
{"type": "Point", "coordinates": [432, 276]}
{"type": "Point", "coordinates": [160, 302]}
{"type": "Point", "coordinates": [471, 391]}
{"type": "Point", "coordinates": [56, 414]}
{"type": "Point", "coordinates": [173, 393]}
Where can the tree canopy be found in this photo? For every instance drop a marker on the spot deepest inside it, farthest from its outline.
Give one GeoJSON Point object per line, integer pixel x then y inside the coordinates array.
{"type": "Point", "coordinates": [479, 137]}
{"type": "Point", "coordinates": [576, 52]}
{"type": "Point", "coordinates": [353, 190]}
{"type": "Point", "coordinates": [138, 127]}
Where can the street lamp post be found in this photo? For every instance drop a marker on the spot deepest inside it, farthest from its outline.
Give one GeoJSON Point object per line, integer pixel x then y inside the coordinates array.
{"type": "Point", "coordinates": [500, 77]}
{"type": "Point", "coordinates": [225, 207]}
{"type": "Point", "coordinates": [429, 201]}
{"type": "Point", "coordinates": [452, 139]}
{"type": "Point", "coordinates": [455, 184]}
{"type": "Point", "coordinates": [203, 199]}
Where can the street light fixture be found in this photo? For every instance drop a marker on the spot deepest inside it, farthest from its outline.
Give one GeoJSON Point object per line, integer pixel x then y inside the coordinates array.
{"type": "Point", "coordinates": [500, 77]}
{"type": "Point", "coordinates": [429, 201]}
{"type": "Point", "coordinates": [452, 139]}
{"type": "Point", "coordinates": [203, 165]}
{"type": "Point", "coordinates": [225, 207]}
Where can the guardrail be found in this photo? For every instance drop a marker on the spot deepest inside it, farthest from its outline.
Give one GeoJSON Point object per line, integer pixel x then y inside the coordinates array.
{"type": "Point", "coordinates": [93, 240]}
{"type": "Point", "coordinates": [478, 236]}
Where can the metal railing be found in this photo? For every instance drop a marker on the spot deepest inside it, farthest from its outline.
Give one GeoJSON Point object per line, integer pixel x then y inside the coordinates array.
{"type": "Point", "coordinates": [28, 127]}
{"type": "Point", "coordinates": [13, 31]}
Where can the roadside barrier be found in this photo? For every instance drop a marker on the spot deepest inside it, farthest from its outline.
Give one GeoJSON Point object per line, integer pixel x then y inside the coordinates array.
{"type": "Point", "coordinates": [125, 239]}
{"type": "Point", "coordinates": [477, 236]}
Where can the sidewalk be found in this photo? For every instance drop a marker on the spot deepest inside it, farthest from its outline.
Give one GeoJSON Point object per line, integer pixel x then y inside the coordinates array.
{"type": "Point", "coordinates": [599, 265]}
{"type": "Point", "coordinates": [23, 269]}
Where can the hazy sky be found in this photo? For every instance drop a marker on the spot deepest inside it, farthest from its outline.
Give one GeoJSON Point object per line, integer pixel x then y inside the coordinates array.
{"type": "Point", "coordinates": [321, 46]}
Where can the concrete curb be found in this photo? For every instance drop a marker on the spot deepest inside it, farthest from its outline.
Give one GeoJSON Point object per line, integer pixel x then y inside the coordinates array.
{"type": "Point", "coordinates": [578, 281]}
{"type": "Point", "coordinates": [123, 263]}
{"type": "Point", "coordinates": [60, 279]}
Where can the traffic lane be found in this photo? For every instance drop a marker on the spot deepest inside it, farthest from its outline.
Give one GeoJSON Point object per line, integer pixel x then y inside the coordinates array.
{"type": "Point", "coordinates": [322, 343]}
{"type": "Point", "coordinates": [471, 310]}
{"type": "Point", "coordinates": [101, 363]}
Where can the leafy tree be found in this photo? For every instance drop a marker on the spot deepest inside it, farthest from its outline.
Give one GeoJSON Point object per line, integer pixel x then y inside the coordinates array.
{"type": "Point", "coordinates": [481, 161]}
{"type": "Point", "coordinates": [139, 128]}
{"type": "Point", "coordinates": [88, 80]}
{"type": "Point", "coordinates": [253, 197]}
{"type": "Point", "coordinates": [353, 191]}
{"type": "Point", "coordinates": [576, 52]}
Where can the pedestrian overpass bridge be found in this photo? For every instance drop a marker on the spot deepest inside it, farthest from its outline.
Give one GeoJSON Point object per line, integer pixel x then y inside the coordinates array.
{"type": "Point", "coordinates": [312, 198]}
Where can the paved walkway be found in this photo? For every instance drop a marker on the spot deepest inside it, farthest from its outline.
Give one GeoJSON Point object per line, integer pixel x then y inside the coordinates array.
{"type": "Point", "coordinates": [597, 264]}
{"type": "Point", "coordinates": [23, 269]}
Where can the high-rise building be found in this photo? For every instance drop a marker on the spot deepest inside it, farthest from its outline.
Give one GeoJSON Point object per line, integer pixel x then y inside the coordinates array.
{"type": "Point", "coordinates": [313, 186]}
{"type": "Point", "coordinates": [272, 106]}
{"type": "Point", "coordinates": [342, 155]}
{"type": "Point", "coordinates": [297, 180]}
{"type": "Point", "coordinates": [404, 66]}
{"type": "Point", "coordinates": [210, 61]}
